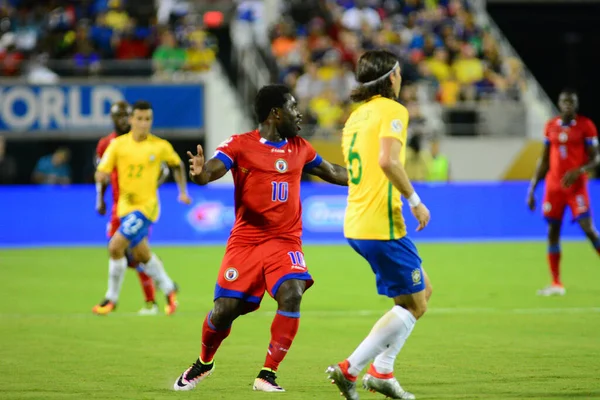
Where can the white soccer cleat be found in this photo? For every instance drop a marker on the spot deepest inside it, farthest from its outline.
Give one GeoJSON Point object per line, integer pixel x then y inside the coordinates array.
{"type": "Point", "coordinates": [265, 382]}
{"type": "Point", "coordinates": [193, 376]}
{"type": "Point", "coordinates": [388, 387]}
{"type": "Point", "coordinates": [149, 309]}
{"type": "Point", "coordinates": [552, 290]}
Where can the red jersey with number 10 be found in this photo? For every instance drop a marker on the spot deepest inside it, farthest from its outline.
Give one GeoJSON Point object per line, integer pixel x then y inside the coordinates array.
{"type": "Point", "coordinates": [568, 147]}
{"type": "Point", "coordinates": [267, 185]}
{"type": "Point", "coordinates": [114, 177]}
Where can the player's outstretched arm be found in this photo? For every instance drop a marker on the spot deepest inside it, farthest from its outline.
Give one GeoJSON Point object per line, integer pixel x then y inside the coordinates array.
{"type": "Point", "coordinates": [181, 180]}
{"type": "Point", "coordinates": [541, 170]}
{"type": "Point", "coordinates": [389, 161]}
{"type": "Point", "coordinates": [202, 173]}
{"type": "Point", "coordinates": [331, 173]}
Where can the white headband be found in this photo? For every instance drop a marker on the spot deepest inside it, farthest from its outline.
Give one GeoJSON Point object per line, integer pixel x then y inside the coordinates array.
{"type": "Point", "coordinates": [383, 76]}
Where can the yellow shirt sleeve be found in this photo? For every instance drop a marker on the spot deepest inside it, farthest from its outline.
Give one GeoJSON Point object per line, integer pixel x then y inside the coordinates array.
{"type": "Point", "coordinates": [108, 161]}
{"type": "Point", "coordinates": [394, 122]}
{"type": "Point", "coordinates": [169, 155]}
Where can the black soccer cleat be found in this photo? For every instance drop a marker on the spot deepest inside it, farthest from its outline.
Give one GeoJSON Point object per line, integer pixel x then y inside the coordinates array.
{"type": "Point", "coordinates": [194, 375]}
{"type": "Point", "coordinates": [265, 382]}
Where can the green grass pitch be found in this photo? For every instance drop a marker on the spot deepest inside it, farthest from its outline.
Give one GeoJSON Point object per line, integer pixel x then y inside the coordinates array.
{"type": "Point", "coordinates": [486, 336]}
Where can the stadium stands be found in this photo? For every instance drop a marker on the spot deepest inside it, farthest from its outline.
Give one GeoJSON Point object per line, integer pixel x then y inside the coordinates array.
{"type": "Point", "coordinates": [442, 50]}
{"type": "Point", "coordinates": [101, 37]}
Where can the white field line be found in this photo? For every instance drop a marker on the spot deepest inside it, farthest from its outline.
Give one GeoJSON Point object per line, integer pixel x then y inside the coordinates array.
{"type": "Point", "coordinates": [338, 314]}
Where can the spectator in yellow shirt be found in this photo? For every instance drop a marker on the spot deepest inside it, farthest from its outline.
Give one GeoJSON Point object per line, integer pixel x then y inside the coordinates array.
{"type": "Point", "coordinates": [332, 67]}
{"type": "Point", "coordinates": [116, 17]}
{"type": "Point", "coordinates": [326, 109]}
{"type": "Point", "coordinates": [199, 58]}
{"type": "Point", "coordinates": [438, 64]}
{"type": "Point", "coordinates": [468, 68]}
{"type": "Point", "coordinates": [449, 92]}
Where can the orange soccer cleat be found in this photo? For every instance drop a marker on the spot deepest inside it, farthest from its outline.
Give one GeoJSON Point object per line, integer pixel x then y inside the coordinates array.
{"type": "Point", "coordinates": [172, 301]}
{"type": "Point", "coordinates": [104, 308]}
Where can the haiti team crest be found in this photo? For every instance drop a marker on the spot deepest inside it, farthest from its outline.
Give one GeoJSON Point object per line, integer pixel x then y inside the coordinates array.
{"type": "Point", "coordinates": [563, 137]}
{"type": "Point", "coordinates": [231, 274]}
{"type": "Point", "coordinates": [281, 165]}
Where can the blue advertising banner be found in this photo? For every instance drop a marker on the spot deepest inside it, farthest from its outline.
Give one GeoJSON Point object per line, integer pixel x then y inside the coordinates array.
{"type": "Point", "coordinates": [51, 216]}
{"type": "Point", "coordinates": [85, 108]}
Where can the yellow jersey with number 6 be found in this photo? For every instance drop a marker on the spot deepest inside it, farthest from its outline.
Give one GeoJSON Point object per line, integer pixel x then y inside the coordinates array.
{"type": "Point", "coordinates": [138, 167]}
{"type": "Point", "coordinates": [374, 206]}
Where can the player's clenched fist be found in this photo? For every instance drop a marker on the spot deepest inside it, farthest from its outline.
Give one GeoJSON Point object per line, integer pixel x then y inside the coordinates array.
{"type": "Point", "coordinates": [100, 206]}
{"type": "Point", "coordinates": [422, 215]}
{"type": "Point", "coordinates": [196, 161]}
{"type": "Point", "coordinates": [184, 198]}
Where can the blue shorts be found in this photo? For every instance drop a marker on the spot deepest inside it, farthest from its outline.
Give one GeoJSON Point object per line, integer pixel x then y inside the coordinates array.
{"type": "Point", "coordinates": [396, 264]}
{"type": "Point", "coordinates": [135, 227]}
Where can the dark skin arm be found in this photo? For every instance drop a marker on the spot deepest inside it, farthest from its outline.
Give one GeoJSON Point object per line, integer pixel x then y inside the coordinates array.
{"type": "Point", "coordinates": [574, 174]}
{"type": "Point", "coordinates": [540, 173]}
{"type": "Point", "coordinates": [331, 173]}
{"type": "Point", "coordinates": [202, 173]}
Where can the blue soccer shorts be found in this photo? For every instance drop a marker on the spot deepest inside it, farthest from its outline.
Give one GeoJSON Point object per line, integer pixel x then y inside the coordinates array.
{"type": "Point", "coordinates": [396, 264]}
{"type": "Point", "coordinates": [135, 227]}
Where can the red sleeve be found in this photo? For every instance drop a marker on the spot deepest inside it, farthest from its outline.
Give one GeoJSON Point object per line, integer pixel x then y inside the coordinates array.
{"type": "Point", "coordinates": [591, 133]}
{"type": "Point", "coordinates": [101, 147]}
{"type": "Point", "coordinates": [227, 151]}
{"type": "Point", "coordinates": [313, 159]}
{"type": "Point", "coordinates": [546, 132]}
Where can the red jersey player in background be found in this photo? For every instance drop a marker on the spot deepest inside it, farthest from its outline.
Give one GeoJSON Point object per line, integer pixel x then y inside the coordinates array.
{"type": "Point", "coordinates": [570, 152]}
{"type": "Point", "coordinates": [120, 112]}
{"type": "Point", "coordinates": [264, 251]}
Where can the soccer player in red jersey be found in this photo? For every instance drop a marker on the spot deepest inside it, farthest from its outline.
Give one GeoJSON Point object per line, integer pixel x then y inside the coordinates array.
{"type": "Point", "coordinates": [264, 251]}
{"type": "Point", "coordinates": [570, 152]}
{"type": "Point", "coordinates": [119, 113]}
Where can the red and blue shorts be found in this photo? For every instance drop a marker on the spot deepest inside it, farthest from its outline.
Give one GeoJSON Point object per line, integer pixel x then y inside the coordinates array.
{"type": "Point", "coordinates": [557, 199]}
{"type": "Point", "coordinates": [248, 270]}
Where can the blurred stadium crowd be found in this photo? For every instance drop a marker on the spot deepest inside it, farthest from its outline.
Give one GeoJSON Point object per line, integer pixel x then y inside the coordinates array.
{"type": "Point", "coordinates": [317, 43]}
{"type": "Point", "coordinates": [81, 38]}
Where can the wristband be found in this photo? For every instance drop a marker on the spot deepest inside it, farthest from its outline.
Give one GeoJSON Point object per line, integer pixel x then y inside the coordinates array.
{"type": "Point", "coordinates": [414, 200]}
{"type": "Point", "coordinates": [98, 187]}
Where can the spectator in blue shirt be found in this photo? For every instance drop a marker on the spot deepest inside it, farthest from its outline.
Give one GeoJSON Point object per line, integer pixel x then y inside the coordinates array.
{"type": "Point", "coordinates": [53, 169]}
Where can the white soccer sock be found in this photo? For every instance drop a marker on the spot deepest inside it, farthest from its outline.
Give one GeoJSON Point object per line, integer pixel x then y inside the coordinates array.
{"type": "Point", "coordinates": [395, 324]}
{"type": "Point", "coordinates": [116, 274]}
{"type": "Point", "coordinates": [384, 362]}
{"type": "Point", "coordinates": [154, 269]}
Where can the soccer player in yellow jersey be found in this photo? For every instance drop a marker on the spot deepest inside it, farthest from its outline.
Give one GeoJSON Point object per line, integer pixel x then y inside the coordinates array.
{"type": "Point", "coordinates": [137, 156]}
{"type": "Point", "coordinates": [374, 145]}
